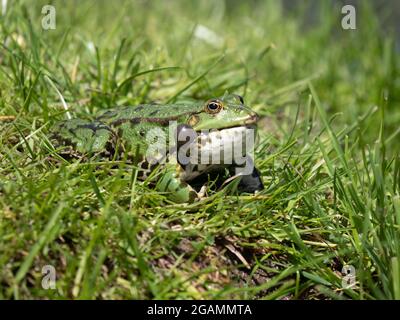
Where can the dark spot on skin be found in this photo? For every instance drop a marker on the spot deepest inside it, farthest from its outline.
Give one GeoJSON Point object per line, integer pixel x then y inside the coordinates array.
{"type": "Point", "coordinates": [240, 99]}
{"type": "Point", "coordinates": [72, 132]}
{"type": "Point", "coordinates": [182, 185]}
{"type": "Point", "coordinates": [139, 108]}
{"type": "Point", "coordinates": [192, 196]}
{"type": "Point", "coordinates": [161, 121]}
{"type": "Point", "coordinates": [94, 126]}
{"type": "Point", "coordinates": [120, 132]}
{"type": "Point", "coordinates": [134, 121]}
{"type": "Point", "coordinates": [137, 120]}
{"type": "Point", "coordinates": [153, 113]}
{"type": "Point", "coordinates": [125, 120]}
{"type": "Point", "coordinates": [107, 114]}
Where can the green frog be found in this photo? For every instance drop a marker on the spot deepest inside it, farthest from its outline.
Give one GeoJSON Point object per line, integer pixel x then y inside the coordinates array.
{"type": "Point", "coordinates": [183, 141]}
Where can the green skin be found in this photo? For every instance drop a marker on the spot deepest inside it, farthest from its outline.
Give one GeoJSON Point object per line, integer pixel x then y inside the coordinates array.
{"type": "Point", "coordinates": [124, 130]}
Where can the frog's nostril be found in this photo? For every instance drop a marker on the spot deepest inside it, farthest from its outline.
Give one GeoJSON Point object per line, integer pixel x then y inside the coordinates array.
{"type": "Point", "coordinates": [254, 116]}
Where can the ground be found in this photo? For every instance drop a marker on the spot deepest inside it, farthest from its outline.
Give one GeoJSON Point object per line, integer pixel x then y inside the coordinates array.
{"type": "Point", "coordinates": [328, 152]}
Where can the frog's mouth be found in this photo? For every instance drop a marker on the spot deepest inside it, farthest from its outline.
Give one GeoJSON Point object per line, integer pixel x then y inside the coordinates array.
{"type": "Point", "coordinates": [252, 119]}
{"type": "Point", "coordinates": [249, 119]}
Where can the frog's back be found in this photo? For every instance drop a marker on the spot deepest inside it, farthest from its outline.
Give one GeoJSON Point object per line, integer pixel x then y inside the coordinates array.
{"type": "Point", "coordinates": [156, 113]}
{"type": "Point", "coordinates": [129, 125]}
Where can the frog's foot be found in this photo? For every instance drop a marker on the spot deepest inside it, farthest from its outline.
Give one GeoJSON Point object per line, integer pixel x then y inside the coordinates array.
{"type": "Point", "coordinates": [203, 192]}
{"type": "Point", "coordinates": [177, 190]}
{"type": "Point", "coordinates": [251, 183]}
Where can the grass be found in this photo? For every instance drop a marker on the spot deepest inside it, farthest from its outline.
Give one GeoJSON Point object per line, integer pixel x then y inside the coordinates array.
{"type": "Point", "coordinates": [328, 152]}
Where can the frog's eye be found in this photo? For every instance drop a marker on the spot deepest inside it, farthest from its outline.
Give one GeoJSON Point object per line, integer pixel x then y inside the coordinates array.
{"type": "Point", "coordinates": [213, 106]}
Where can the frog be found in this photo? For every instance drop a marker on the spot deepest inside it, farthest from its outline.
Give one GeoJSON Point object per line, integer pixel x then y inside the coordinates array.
{"type": "Point", "coordinates": [128, 132]}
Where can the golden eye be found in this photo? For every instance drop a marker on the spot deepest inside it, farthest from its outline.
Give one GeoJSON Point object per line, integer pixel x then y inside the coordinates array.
{"type": "Point", "coordinates": [213, 106]}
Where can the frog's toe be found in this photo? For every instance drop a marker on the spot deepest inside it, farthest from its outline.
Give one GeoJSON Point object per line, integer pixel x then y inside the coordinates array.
{"type": "Point", "coordinates": [251, 183]}
{"type": "Point", "coordinates": [203, 192]}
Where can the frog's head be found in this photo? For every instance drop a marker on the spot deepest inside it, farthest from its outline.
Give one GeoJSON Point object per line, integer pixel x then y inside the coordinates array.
{"type": "Point", "coordinates": [227, 112]}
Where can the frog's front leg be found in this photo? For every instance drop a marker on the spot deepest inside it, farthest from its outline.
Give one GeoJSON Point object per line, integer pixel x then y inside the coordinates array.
{"type": "Point", "coordinates": [171, 182]}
